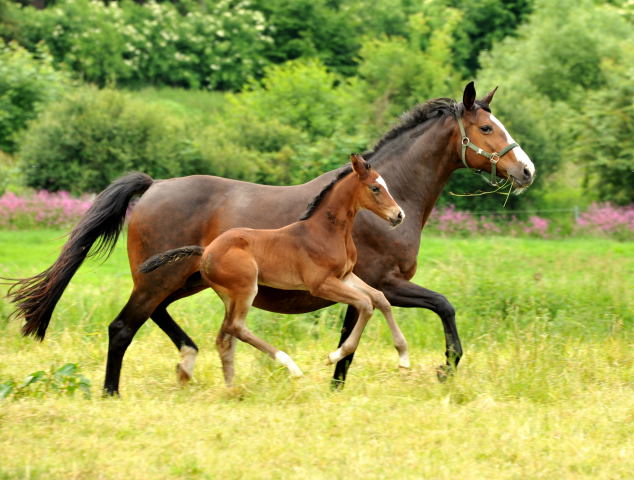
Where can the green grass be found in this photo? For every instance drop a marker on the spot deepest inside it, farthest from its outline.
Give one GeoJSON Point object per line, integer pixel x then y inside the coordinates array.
{"type": "Point", "coordinates": [545, 390]}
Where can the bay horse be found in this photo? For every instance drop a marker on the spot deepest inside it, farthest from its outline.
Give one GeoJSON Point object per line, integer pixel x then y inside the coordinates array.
{"type": "Point", "coordinates": [315, 254]}
{"type": "Point", "coordinates": [416, 158]}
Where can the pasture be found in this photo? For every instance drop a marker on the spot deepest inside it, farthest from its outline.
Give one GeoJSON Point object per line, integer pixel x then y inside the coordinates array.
{"type": "Point", "coordinates": [545, 389]}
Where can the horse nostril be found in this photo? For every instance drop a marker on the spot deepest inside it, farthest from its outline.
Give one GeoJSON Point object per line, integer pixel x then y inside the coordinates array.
{"type": "Point", "coordinates": [400, 216]}
{"type": "Point", "coordinates": [527, 173]}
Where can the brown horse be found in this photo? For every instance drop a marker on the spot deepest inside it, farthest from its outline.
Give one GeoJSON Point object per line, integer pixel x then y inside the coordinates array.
{"type": "Point", "coordinates": [416, 158]}
{"type": "Point", "coordinates": [315, 254]}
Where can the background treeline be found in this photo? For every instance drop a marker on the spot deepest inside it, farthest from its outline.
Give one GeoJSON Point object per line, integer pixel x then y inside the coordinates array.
{"type": "Point", "coordinates": [278, 91]}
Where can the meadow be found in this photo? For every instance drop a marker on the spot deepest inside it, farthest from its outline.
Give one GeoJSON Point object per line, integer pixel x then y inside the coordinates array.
{"type": "Point", "coordinates": [545, 389]}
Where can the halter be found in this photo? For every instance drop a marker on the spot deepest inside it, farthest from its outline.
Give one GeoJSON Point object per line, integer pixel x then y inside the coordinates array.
{"type": "Point", "coordinates": [494, 157]}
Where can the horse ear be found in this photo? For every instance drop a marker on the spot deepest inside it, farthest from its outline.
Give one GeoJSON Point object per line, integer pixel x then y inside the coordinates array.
{"type": "Point", "coordinates": [359, 165]}
{"type": "Point", "coordinates": [469, 96]}
{"type": "Point", "coordinates": [489, 97]}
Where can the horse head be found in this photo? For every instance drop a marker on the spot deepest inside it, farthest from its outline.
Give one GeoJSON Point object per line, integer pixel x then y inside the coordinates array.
{"type": "Point", "coordinates": [486, 145]}
{"type": "Point", "coordinates": [373, 193]}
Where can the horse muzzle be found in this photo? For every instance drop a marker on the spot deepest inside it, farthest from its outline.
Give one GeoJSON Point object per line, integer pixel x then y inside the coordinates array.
{"type": "Point", "coordinates": [397, 219]}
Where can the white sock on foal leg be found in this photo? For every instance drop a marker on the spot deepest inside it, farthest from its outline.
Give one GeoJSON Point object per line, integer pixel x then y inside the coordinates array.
{"type": "Point", "coordinates": [288, 362]}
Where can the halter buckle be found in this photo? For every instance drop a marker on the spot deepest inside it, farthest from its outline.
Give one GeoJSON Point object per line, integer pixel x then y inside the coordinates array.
{"type": "Point", "coordinates": [466, 141]}
{"type": "Point", "coordinates": [495, 158]}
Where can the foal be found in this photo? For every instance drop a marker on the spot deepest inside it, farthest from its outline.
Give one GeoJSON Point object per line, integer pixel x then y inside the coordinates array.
{"type": "Point", "coordinates": [316, 254]}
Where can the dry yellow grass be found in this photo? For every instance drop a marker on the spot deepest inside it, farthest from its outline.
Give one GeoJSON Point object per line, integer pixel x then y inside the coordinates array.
{"type": "Point", "coordinates": [545, 391]}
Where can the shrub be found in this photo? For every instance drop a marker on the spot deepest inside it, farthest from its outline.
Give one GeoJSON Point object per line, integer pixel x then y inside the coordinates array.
{"type": "Point", "coordinates": [216, 44]}
{"type": "Point", "coordinates": [83, 142]}
{"type": "Point", "coordinates": [27, 82]}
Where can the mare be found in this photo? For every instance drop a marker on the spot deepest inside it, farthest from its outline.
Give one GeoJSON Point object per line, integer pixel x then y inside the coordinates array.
{"type": "Point", "coordinates": [315, 254]}
{"type": "Point", "coordinates": [416, 158]}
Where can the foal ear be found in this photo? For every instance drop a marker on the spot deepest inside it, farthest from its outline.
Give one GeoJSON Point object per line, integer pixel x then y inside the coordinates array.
{"type": "Point", "coordinates": [469, 96]}
{"type": "Point", "coordinates": [359, 165]}
{"type": "Point", "coordinates": [487, 100]}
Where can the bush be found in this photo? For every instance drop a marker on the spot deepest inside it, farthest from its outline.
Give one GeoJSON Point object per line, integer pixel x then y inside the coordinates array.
{"type": "Point", "coordinates": [215, 45]}
{"type": "Point", "coordinates": [27, 83]}
{"type": "Point", "coordinates": [83, 142]}
{"type": "Point", "coordinates": [300, 122]}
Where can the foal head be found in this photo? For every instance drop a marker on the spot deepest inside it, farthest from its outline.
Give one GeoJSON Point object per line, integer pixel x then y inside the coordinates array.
{"type": "Point", "coordinates": [372, 192]}
{"type": "Point", "coordinates": [486, 144]}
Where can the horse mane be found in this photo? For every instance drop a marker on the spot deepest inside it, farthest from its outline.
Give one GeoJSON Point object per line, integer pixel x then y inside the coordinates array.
{"type": "Point", "coordinates": [431, 109]}
{"type": "Point", "coordinates": [312, 206]}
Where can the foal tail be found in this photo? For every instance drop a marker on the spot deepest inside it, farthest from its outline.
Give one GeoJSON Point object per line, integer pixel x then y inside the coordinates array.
{"type": "Point", "coordinates": [170, 256]}
{"type": "Point", "coordinates": [35, 297]}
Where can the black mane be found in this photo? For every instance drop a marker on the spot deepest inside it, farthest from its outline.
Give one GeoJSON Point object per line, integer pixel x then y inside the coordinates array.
{"type": "Point", "coordinates": [312, 206]}
{"type": "Point", "coordinates": [434, 108]}
{"type": "Point", "coordinates": [431, 109]}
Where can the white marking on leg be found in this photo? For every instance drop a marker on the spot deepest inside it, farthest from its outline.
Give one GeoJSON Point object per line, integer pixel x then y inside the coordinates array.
{"type": "Point", "coordinates": [335, 356]}
{"type": "Point", "coordinates": [186, 366]}
{"type": "Point", "coordinates": [403, 359]}
{"type": "Point", "coordinates": [520, 154]}
{"type": "Point", "coordinates": [288, 362]}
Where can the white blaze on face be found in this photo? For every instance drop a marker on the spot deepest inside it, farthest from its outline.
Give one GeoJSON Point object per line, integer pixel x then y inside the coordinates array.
{"type": "Point", "coordinates": [520, 154]}
{"type": "Point", "coordinates": [381, 182]}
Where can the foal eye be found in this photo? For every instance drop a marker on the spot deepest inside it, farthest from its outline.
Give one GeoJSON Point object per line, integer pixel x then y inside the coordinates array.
{"type": "Point", "coordinates": [375, 189]}
{"type": "Point", "coordinates": [486, 129]}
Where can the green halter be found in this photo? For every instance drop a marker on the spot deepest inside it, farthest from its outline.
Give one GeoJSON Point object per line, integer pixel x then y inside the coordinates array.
{"type": "Point", "coordinates": [494, 157]}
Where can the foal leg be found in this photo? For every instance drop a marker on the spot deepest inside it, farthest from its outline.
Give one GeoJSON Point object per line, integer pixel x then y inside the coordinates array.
{"type": "Point", "coordinates": [226, 345]}
{"type": "Point", "coordinates": [379, 301]}
{"type": "Point", "coordinates": [341, 291]}
{"type": "Point", "coordinates": [235, 326]}
{"type": "Point", "coordinates": [341, 368]}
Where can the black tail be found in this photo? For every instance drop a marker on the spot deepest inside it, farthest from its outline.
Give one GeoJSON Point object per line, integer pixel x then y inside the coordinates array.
{"type": "Point", "coordinates": [170, 256]}
{"type": "Point", "coordinates": [36, 297]}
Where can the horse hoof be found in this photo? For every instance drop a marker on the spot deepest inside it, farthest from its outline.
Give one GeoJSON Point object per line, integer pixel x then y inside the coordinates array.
{"type": "Point", "coordinates": [182, 376]}
{"type": "Point", "coordinates": [444, 372]}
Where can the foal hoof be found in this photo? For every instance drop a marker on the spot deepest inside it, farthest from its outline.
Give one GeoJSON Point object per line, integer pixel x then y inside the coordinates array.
{"type": "Point", "coordinates": [444, 372]}
{"type": "Point", "coordinates": [182, 376]}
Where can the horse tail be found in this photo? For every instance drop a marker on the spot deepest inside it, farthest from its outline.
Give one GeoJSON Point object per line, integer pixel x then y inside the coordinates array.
{"type": "Point", "coordinates": [170, 256]}
{"type": "Point", "coordinates": [35, 297]}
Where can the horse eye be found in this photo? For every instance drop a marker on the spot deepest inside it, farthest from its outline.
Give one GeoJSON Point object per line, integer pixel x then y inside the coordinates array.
{"type": "Point", "coordinates": [375, 189]}
{"type": "Point", "coordinates": [486, 129]}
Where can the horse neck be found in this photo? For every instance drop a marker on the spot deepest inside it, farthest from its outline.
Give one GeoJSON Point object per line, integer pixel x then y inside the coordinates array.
{"type": "Point", "coordinates": [338, 209]}
{"type": "Point", "coordinates": [417, 169]}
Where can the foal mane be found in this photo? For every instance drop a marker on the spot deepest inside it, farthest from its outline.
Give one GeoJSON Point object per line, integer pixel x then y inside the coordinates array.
{"type": "Point", "coordinates": [312, 206]}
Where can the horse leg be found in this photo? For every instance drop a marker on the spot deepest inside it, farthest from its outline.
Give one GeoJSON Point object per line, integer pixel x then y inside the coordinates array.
{"type": "Point", "coordinates": [185, 345]}
{"type": "Point", "coordinates": [402, 293]}
{"type": "Point", "coordinates": [379, 301]}
{"type": "Point", "coordinates": [120, 333]}
{"type": "Point", "coordinates": [341, 368]}
{"type": "Point", "coordinates": [237, 306]}
{"type": "Point", "coordinates": [342, 291]}
{"type": "Point", "coordinates": [226, 345]}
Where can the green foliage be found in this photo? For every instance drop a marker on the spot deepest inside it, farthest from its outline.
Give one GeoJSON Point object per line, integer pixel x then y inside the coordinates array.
{"type": "Point", "coordinates": [216, 46]}
{"type": "Point", "coordinates": [605, 133]}
{"type": "Point", "coordinates": [83, 142]}
{"type": "Point", "coordinates": [484, 23]}
{"type": "Point", "coordinates": [555, 64]}
{"type": "Point", "coordinates": [319, 29]}
{"type": "Point", "coordinates": [65, 380]}
{"type": "Point", "coordinates": [288, 129]}
{"type": "Point", "coordinates": [27, 82]}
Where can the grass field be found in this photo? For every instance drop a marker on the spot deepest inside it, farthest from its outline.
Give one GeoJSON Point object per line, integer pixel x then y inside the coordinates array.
{"type": "Point", "coordinates": [545, 390]}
